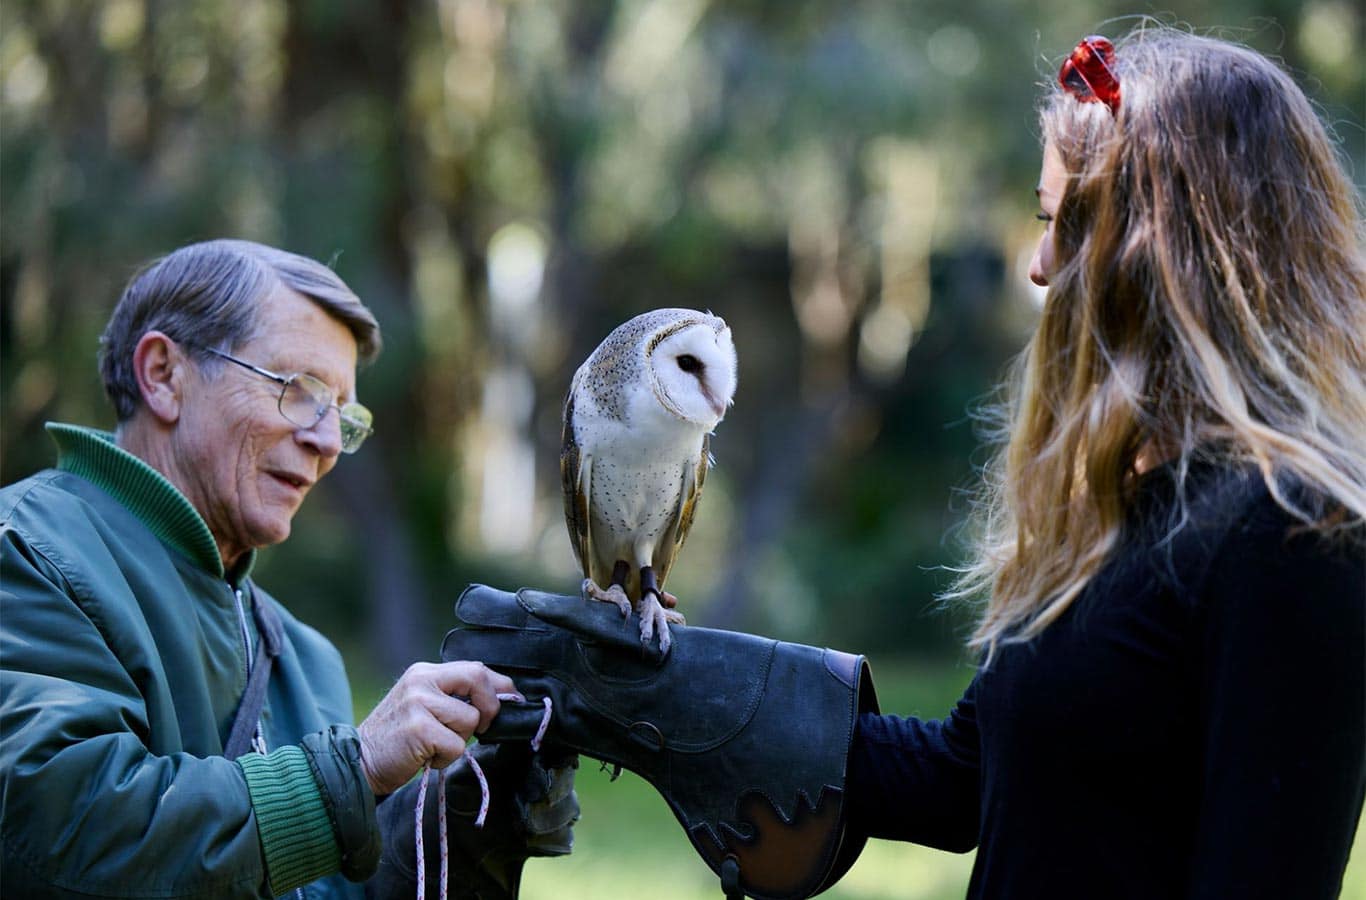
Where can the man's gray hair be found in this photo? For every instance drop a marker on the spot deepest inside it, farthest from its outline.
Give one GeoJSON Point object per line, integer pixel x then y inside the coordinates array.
{"type": "Point", "coordinates": [208, 295]}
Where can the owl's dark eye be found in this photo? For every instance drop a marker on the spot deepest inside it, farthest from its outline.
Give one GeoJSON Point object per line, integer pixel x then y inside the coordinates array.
{"type": "Point", "coordinates": [689, 363]}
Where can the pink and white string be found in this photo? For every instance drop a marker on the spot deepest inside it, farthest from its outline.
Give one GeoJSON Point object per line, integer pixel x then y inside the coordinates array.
{"type": "Point", "coordinates": [441, 806]}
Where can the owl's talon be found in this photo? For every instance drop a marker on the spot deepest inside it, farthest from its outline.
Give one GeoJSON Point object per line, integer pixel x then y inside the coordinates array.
{"type": "Point", "coordinates": [614, 594]}
{"type": "Point", "coordinates": [655, 618]}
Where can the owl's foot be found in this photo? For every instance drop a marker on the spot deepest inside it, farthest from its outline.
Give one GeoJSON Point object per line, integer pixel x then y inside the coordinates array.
{"type": "Point", "coordinates": [654, 618]}
{"type": "Point", "coordinates": [614, 594]}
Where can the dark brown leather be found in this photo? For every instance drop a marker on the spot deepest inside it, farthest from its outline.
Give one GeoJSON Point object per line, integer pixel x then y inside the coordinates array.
{"type": "Point", "coordinates": [745, 737]}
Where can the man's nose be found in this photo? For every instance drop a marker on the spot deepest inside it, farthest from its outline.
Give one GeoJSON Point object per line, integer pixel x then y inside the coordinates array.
{"type": "Point", "coordinates": [325, 435]}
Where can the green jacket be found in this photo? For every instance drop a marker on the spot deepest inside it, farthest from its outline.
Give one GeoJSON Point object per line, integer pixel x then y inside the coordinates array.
{"type": "Point", "coordinates": [122, 662]}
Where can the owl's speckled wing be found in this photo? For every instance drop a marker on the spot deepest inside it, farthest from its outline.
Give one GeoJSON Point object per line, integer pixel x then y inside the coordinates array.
{"type": "Point", "coordinates": [668, 548]}
{"type": "Point", "coordinates": [575, 473]}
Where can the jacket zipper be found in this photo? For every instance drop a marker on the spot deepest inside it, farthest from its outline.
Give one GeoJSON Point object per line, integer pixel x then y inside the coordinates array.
{"type": "Point", "coordinates": [258, 740]}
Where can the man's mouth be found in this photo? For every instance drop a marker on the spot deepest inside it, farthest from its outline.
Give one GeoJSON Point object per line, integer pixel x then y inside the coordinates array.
{"type": "Point", "coordinates": [298, 482]}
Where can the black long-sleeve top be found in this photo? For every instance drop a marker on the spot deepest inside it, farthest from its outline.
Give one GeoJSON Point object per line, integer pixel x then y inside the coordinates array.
{"type": "Point", "coordinates": [1194, 726]}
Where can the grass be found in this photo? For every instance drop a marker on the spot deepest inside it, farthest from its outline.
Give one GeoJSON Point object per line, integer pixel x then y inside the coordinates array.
{"type": "Point", "coordinates": [628, 843]}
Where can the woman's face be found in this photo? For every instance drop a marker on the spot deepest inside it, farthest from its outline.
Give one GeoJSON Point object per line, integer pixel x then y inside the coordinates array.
{"type": "Point", "coordinates": [1052, 180]}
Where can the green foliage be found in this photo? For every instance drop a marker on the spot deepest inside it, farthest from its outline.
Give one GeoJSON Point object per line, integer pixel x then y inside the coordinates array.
{"type": "Point", "coordinates": [850, 185]}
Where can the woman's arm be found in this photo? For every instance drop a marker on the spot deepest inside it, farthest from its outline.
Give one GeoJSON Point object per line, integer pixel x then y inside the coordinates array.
{"type": "Point", "coordinates": [914, 780]}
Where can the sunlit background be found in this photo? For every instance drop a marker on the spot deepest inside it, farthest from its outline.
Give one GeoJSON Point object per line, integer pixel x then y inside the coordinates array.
{"type": "Point", "coordinates": [849, 184]}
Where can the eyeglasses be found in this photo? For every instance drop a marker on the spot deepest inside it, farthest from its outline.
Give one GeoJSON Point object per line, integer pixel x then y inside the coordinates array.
{"type": "Point", "coordinates": [304, 400]}
{"type": "Point", "coordinates": [1088, 73]}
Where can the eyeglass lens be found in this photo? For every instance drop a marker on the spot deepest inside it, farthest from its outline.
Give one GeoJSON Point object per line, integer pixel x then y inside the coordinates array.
{"type": "Point", "coordinates": [305, 400]}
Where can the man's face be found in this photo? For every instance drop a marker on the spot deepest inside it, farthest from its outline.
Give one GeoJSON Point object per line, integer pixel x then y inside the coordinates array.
{"type": "Point", "coordinates": [243, 465]}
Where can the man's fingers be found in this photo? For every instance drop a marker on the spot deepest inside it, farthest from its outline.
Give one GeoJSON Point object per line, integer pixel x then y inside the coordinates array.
{"type": "Point", "coordinates": [475, 681]}
{"type": "Point", "coordinates": [455, 714]}
{"type": "Point", "coordinates": [447, 746]}
{"type": "Point", "coordinates": [427, 717]}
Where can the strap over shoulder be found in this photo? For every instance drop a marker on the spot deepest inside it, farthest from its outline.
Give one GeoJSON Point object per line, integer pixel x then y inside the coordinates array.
{"type": "Point", "coordinates": [271, 632]}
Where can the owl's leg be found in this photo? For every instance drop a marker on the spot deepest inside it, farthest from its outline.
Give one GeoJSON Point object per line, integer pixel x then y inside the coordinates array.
{"type": "Point", "coordinates": [654, 617]}
{"type": "Point", "coordinates": [650, 586]}
{"type": "Point", "coordinates": [615, 592]}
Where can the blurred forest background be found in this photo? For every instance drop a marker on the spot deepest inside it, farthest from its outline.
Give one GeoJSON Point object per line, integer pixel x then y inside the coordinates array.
{"type": "Point", "coordinates": [850, 184]}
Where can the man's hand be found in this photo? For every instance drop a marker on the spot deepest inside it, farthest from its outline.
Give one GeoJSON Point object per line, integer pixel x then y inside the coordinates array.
{"type": "Point", "coordinates": [426, 718]}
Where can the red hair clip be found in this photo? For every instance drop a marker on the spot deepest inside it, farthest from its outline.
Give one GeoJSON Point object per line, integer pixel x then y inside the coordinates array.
{"type": "Point", "coordinates": [1087, 73]}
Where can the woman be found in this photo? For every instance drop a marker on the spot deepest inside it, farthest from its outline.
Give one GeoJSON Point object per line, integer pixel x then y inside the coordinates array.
{"type": "Point", "coordinates": [1172, 697]}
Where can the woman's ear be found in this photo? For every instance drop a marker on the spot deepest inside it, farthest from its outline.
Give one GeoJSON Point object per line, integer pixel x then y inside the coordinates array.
{"type": "Point", "coordinates": [159, 366]}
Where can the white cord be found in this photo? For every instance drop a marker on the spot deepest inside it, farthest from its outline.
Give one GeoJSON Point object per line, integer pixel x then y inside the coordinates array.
{"type": "Point", "coordinates": [441, 808]}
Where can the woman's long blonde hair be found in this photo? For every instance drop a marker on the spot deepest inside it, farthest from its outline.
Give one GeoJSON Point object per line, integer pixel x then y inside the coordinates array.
{"type": "Point", "coordinates": [1210, 299]}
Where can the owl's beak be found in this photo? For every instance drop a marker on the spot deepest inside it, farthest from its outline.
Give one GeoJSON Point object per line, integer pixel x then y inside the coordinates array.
{"type": "Point", "coordinates": [717, 405]}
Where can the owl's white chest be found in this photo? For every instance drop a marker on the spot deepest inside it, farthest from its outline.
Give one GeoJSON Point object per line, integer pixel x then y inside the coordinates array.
{"type": "Point", "coordinates": [638, 471]}
{"type": "Point", "coordinates": [634, 500]}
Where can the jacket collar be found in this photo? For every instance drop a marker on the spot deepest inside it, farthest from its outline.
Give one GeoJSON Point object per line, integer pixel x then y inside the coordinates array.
{"type": "Point", "coordinates": [145, 492]}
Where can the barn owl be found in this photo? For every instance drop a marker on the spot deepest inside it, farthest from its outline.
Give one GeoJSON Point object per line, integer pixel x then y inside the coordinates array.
{"type": "Point", "coordinates": [637, 430]}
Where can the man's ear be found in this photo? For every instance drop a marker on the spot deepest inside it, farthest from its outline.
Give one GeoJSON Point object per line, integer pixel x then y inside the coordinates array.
{"type": "Point", "coordinates": [159, 366]}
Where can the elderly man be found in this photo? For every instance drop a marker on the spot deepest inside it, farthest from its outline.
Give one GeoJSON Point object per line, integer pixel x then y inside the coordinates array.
{"type": "Point", "coordinates": [131, 626]}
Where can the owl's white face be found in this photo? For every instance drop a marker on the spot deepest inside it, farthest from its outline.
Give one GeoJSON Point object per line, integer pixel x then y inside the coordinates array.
{"type": "Point", "coordinates": [694, 372]}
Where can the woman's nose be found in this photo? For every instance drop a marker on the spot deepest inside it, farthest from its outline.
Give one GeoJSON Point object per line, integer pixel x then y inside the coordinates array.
{"type": "Point", "coordinates": [1037, 272]}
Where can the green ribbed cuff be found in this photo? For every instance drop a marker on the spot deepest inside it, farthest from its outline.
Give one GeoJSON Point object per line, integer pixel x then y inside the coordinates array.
{"type": "Point", "coordinates": [297, 837]}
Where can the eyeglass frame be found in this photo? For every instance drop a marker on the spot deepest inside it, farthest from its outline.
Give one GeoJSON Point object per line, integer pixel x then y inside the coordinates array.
{"type": "Point", "coordinates": [286, 381]}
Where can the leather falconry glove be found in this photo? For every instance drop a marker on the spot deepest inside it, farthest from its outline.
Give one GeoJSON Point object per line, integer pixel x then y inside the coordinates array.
{"type": "Point", "coordinates": [532, 811]}
{"type": "Point", "coordinates": [746, 738]}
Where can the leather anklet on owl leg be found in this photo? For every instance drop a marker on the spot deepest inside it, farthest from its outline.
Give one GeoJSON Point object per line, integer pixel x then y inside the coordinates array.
{"type": "Point", "coordinates": [648, 584]}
